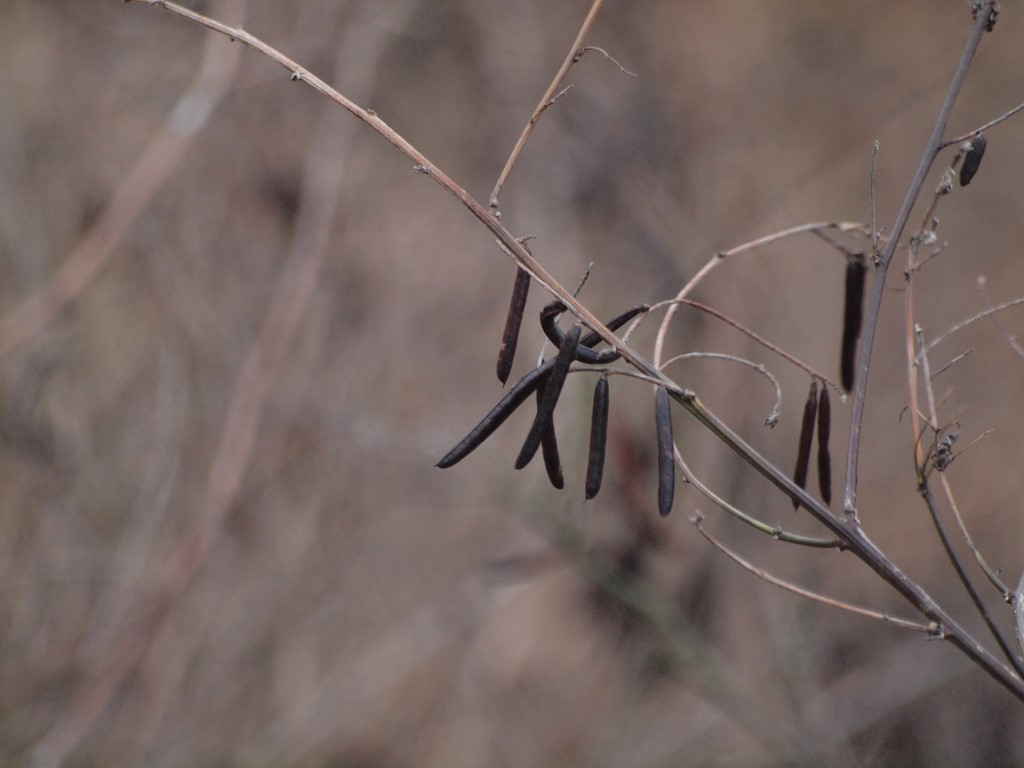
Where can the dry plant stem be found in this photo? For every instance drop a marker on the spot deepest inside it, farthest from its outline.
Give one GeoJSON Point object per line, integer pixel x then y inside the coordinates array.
{"type": "Point", "coordinates": [773, 416]}
{"type": "Point", "coordinates": [980, 129]}
{"type": "Point", "coordinates": [746, 331]}
{"type": "Point", "coordinates": [774, 531]}
{"type": "Point", "coordinates": [160, 159]}
{"type": "Point", "coordinates": [545, 101]}
{"type": "Point", "coordinates": [424, 166]}
{"type": "Point", "coordinates": [851, 535]}
{"type": "Point", "coordinates": [926, 495]}
{"type": "Point", "coordinates": [854, 539]}
{"type": "Point", "coordinates": [973, 319]}
{"type": "Point", "coordinates": [931, 151]}
{"type": "Point", "coordinates": [928, 629]}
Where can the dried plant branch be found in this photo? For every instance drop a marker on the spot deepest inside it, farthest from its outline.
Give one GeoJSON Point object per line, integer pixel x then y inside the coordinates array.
{"type": "Point", "coordinates": [972, 319]}
{"type": "Point", "coordinates": [931, 151]}
{"type": "Point", "coordinates": [1010, 340]}
{"type": "Point", "coordinates": [980, 129]}
{"type": "Point", "coordinates": [574, 55]}
{"type": "Point", "coordinates": [746, 331]}
{"type": "Point", "coordinates": [992, 576]}
{"type": "Point", "coordinates": [773, 416]}
{"type": "Point", "coordinates": [846, 529]}
{"type": "Point", "coordinates": [776, 532]}
{"type": "Point", "coordinates": [928, 629]}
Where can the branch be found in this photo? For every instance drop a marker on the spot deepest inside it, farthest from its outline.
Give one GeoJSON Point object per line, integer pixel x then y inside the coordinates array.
{"type": "Point", "coordinates": [931, 151]}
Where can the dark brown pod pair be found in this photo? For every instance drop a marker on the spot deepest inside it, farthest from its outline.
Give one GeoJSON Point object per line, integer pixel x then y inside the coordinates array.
{"type": "Point", "coordinates": [856, 274]}
{"type": "Point", "coordinates": [972, 160]}
{"type": "Point", "coordinates": [815, 410]}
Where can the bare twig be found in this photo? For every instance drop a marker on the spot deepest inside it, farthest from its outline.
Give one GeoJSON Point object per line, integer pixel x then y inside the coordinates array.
{"type": "Point", "coordinates": [928, 629]}
{"type": "Point", "coordinates": [773, 416]}
{"type": "Point", "coordinates": [981, 129]}
{"type": "Point", "coordinates": [746, 331]}
{"type": "Point", "coordinates": [546, 101]}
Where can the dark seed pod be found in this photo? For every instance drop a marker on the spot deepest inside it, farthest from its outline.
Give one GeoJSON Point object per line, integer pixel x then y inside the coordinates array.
{"type": "Point", "coordinates": [584, 353]}
{"type": "Point", "coordinates": [824, 458]}
{"type": "Point", "coordinates": [498, 414]}
{"type": "Point", "coordinates": [598, 438]}
{"type": "Point", "coordinates": [510, 336]}
{"type": "Point", "coordinates": [518, 394]}
{"type": "Point", "coordinates": [803, 454]}
{"type": "Point", "coordinates": [546, 408]}
{"type": "Point", "coordinates": [666, 451]}
{"type": "Point", "coordinates": [972, 159]}
{"type": "Point", "coordinates": [549, 447]}
{"type": "Point", "coordinates": [856, 273]}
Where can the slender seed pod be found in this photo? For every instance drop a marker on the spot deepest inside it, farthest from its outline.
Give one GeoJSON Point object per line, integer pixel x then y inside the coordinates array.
{"type": "Point", "coordinates": [497, 415]}
{"type": "Point", "coordinates": [803, 455]}
{"type": "Point", "coordinates": [824, 458]}
{"type": "Point", "coordinates": [510, 336]}
{"type": "Point", "coordinates": [549, 446]}
{"type": "Point", "coordinates": [972, 159]}
{"type": "Point", "coordinates": [666, 451]}
{"type": "Point", "coordinates": [546, 408]}
{"type": "Point", "coordinates": [584, 354]}
{"type": "Point", "coordinates": [598, 438]}
{"type": "Point", "coordinates": [856, 273]}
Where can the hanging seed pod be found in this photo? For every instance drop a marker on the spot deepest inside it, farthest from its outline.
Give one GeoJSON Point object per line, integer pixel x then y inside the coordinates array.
{"type": "Point", "coordinates": [549, 447]}
{"type": "Point", "coordinates": [856, 273]}
{"type": "Point", "coordinates": [972, 159]}
{"type": "Point", "coordinates": [514, 320]}
{"type": "Point", "coordinates": [584, 353]}
{"type": "Point", "coordinates": [518, 394]}
{"type": "Point", "coordinates": [598, 438]}
{"type": "Point", "coordinates": [824, 458]}
{"type": "Point", "coordinates": [803, 454]}
{"type": "Point", "coordinates": [666, 451]}
{"type": "Point", "coordinates": [546, 408]}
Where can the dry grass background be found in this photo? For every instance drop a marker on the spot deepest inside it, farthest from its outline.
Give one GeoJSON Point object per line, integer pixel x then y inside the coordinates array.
{"type": "Point", "coordinates": [223, 541]}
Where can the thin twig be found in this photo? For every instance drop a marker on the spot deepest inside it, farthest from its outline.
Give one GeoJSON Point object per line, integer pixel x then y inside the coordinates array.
{"type": "Point", "coordinates": [774, 531]}
{"type": "Point", "coordinates": [773, 416]}
{"type": "Point", "coordinates": [973, 319]}
{"type": "Point", "coordinates": [981, 129]}
{"type": "Point", "coordinates": [928, 629]}
{"type": "Point", "coordinates": [545, 101]}
{"type": "Point", "coordinates": [746, 331]}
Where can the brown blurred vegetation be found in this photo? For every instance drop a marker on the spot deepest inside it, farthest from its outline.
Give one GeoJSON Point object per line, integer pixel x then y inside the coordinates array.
{"type": "Point", "coordinates": [223, 541]}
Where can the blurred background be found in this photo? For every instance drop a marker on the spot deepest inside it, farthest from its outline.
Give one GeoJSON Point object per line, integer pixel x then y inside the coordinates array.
{"type": "Point", "coordinates": [237, 332]}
